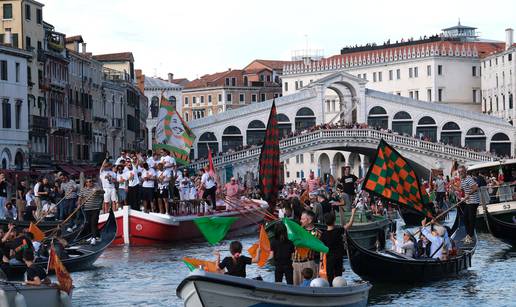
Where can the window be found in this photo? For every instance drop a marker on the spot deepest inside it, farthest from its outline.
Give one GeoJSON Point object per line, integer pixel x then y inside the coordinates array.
{"type": "Point", "coordinates": [8, 11]}
{"type": "Point", "coordinates": [509, 57]}
{"type": "Point", "coordinates": [228, 97]}
{"type": "Point", "coordinates": [262, 97]}
{"type": "Point", "coordinates": [253, 98]}
{"type": "Point", "coordinates": [220, 97]}
{"type": "Point", "coordinates": [268, 78]}
{"type": "Point", "coordinates": [416, 95]}
{"type": "Point", "coordinates": [15, 39]}
{"type": "Point", "coordinates": [40, 45]}
{"type": "Point", "coordinates": [39, 16]}
{"type": "Point", "coordinates": [17, 70]}
{"type": "Point", "coordinates": [186, 100]}
{"type": "Point", "coordinates": [474, 71]}
{"type": "Point", "coordinates": [17, 114]}
{"type": "Point", "coordinates": [297, 174]}
{"type": "Point", "coordinates": [233, 81]}
{"type": "Point", "coordinates": [3, 70]}
{"type": "Point", "coordinates": [379, 76]}
{"type": "Point", "coordinates": [398, 74]}
{"type": "Point", "coordinates": [440, 94]}
{"type": "Point", "coordinates": [374, 77]}
{"type": "Point", "coordinates": [28, 44]}
{"type": "Point", "coordinates": [297, 85]}
{"type": "Point", "coordinates": [312, 158]}
{"type": "Point", "coordinates": [411, 94]}
{"type": "Point", "coordinates": [410, 72]}
{"type": "Point", "coordinates": [415, 72]}
{"type": "Point", "coordinates": [439, 70]}
{"type": "Point", "coordinates": [27, 11]}
{"type": "Point", "coordinates": [194, 100]}
{"type": "Point", "coordinates": [242, 98]}
{"type": "Point", "coordinates": [358, 76]}
{"type": "Point", "coordinates": [428, 70]}
{"type": "Point", "coordinates": [429, 94]}
{"type": "Point", "coordinates": [261, 78]}
{"type": "Point", "coordinates": [227, 82]}
{"type": "Point", "coordinates": [209, 98]}
{"type": "Point", "coordinates": [365, 76]}
{"type": "Point", "coordinates": [390, 74]}
{"type": "Point", "coordinates": [6, 113]}
{"type": "Point", "coordinates": [301, 83]}
{"type": "Point", "coordinates": [286, 86]}
{"type": "Point", "coordinates": [474, 95]}
{"type": "Point", "coordinates": [202, 99]}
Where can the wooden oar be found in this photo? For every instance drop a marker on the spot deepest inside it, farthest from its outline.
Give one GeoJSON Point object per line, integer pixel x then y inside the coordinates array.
{"type": "Point", "coordinates": [242, 211]}
{"type": "Point", "coordinates": [57, 205]}
{"type": "Point", "coordinates": [434, 220]}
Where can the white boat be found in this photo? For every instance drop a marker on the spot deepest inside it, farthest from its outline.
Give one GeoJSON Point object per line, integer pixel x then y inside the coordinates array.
{"type": "Point", "coordinates": [202, 289]}
{"type": "Point", "coordinates": [16, 294]}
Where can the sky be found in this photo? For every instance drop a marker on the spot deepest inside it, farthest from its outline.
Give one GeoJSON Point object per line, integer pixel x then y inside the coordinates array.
{"type": "Point", "coordinates": [193, 38]}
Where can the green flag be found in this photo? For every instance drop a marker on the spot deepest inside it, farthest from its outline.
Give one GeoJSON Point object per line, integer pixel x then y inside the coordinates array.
{"type": "Point", "coordinates": [302, 238]}
{"type": "Point", "coordinates": [214, 229]}
{"type": "Point", "coordinates": [189, 265]}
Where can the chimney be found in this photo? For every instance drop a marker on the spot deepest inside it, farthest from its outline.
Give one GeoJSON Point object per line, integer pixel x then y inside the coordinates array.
{"type": "Point", "coordinates": [170, 77]}
{"type": "Point", "coordinates": [508, 38]}
{"type": "Point", "coordinates": [83, 47]}
{"type": "Point", "coordinates": [8, 38]}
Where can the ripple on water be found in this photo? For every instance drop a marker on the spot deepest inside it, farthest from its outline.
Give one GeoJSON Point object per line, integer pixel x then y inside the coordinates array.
{"type": "Point", "coordinates": [148, 276]}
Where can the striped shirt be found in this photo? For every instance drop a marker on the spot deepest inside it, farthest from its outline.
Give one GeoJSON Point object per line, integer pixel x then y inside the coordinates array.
{"type": "Point", "coordinates": [467, 184]}
{"type": "Point", "coordinates": [95, 201]}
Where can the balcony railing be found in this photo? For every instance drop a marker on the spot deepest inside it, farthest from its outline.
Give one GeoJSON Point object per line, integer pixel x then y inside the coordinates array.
{"type": "Point", "coordinates": [116, 123]}
{"type": "Point", "coordinates": [61, 123]}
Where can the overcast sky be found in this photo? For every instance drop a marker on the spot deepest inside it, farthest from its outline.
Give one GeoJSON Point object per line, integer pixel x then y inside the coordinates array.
{"type": "Point", "coordinates": [192, 38]}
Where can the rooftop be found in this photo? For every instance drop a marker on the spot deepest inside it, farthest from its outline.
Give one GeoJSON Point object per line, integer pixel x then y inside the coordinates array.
{"type": "Point", "coordinates": [115, 57]}
{"type": "Point", "coordinates": [75, 38]}
{"type": "Point", "coordinates": [151, 82]}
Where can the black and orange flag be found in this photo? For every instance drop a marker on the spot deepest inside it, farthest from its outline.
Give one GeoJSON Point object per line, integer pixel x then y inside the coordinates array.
{"type": "Point", "coordinates": [270, 161]}
{"type": "Point", "coordinates": [391, 177]}
{"type": "Point", "coordinates": [63, 277]}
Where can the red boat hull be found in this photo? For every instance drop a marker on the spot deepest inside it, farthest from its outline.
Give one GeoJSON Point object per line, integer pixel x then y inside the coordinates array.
{"type": "Point", "coordinates": [140, 229]}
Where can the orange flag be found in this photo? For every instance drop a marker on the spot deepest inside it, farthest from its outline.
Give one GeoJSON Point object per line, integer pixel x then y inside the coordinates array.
{"type": "Point", "coordinates": [265, 247]}
{"type": "Point", "coordinates": [208, 266]}
{"type": "Point", "coordinates": [38, 234]}
{"type": "Point", "coordinates": [322, 268]}
{"type": "Point", "coordinates": [63, 277]}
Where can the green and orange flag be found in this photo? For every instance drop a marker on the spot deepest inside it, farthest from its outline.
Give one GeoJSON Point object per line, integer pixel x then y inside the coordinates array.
{"type": "Point", "coordinates": [270, 161]}
{"type": "Point", "coordinates": [172, 133]}
{"type": "Point", "coordinates": [391, 177]}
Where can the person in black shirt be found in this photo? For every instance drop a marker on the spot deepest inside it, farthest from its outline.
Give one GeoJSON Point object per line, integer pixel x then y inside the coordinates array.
{"type": "Point", "coordinates": [36, 275]}
{"type": "Point", "coordinates": [3, 195]}
{"type": "Point", "coordinates": [281, 251]}
{"type": "Point", "coordinates": [332, 238]}
{"type": "Point", "coordinates": [235, 265]}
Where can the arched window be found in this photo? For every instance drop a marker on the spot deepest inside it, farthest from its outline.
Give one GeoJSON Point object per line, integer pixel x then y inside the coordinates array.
{"type": "Point", "coordinates": [427, 129]}
{"type": "Point", "coordinates": [475, 139]}
{"type": "Point", "coordinates": [402, 123]}
{"type": "Point", "coordinates": [231, 138]}
{"type": "Point", "coordinates": [18, 160]}
{"type": "Point", "coordinates": [284, 125]}
{"type": "Point", "coordinates": [500, 144]}
{"type": "Point", "coordinates": [378, 118]}
{"type": "Point", "coordinates": [451, 134]}
{"type": "Point", "coordinates": [305, 118]}
{"type": "Point", "coordinates": [207, 139]}
{"type": "Point", "coordinates": [154, 108]}
{"type": "Point", "coordinates": [255, 132]}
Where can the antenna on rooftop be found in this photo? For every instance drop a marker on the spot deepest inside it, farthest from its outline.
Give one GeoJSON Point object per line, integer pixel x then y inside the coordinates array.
{"type": "Point", "coordinates": [307, 55]}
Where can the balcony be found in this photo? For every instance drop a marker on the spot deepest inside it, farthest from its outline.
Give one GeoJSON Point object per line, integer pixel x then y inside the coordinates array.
{"type": "Point", "coordinates": [116, 123]}
{"type": "Point", "coordinates": [39, 122]}
{"type": "Point", "coordinates": [60, 123]}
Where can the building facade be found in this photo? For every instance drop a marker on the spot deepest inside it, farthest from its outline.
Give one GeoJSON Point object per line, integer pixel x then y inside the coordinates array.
{"type": "Point", "coordinates": [498, 81]}
{"type": "Point", "coordinates": [14, 127]}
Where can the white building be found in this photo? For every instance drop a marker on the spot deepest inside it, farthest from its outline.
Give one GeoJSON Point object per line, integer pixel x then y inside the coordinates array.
{"type": "Point", "coordinates": [14, 111]}
{"type": "Point", "coordinates": [498, 82]}
{"type": "Point", "coordinates": [154, 89]}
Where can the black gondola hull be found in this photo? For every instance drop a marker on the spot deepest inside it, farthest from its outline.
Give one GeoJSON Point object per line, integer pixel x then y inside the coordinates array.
{"type": "Point", "coordinates": [502, 230]}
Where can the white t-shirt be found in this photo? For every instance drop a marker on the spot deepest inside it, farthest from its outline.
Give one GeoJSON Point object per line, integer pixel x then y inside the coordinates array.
{"type": "Point", "coordinates": [36, 188]}
{"type": "Point", "coordinates": [127, 174]}
{"type": "Point", "coordinates": [149, 182]}
{"type": "Point", "coordinates": [122, 181]}
{"type": "Point", "coordinates": [166, 178]}
{"type": "Point", "coordinates": [168, 161]}
{"type": "Point", "coordinates": [207, 181]}
{"type": "Point", "coordinates": [105, 179]}
{"type": "Point", "coordinates": [119, 160]}
{"type": "Point", "coordinates": [179, 177]}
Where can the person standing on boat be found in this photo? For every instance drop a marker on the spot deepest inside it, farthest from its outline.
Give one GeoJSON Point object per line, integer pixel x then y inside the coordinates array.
{"type": "Point", "coordinates": [148, 177]}
{"type": "Point", "coordinates": [91, 199]}
{"type": "Point", "coordinates": [122, 184]}
{"type": "Point", "coordinates": [282, 250]}
{"type": "Point", "coordinates": [167, 160]}
{"type": "Point", "coordinates": [69, 189]}
{"type": "Point", "coordinates": [349, 182]}
{"type": "Point", "coordinates": [108, 179]}
{"type": "Point", "coordinates": [163, 178]}
{"type": "Point", "coordinates": [333, 239]}
{"type": "Point", "coordinates": [440, 190]}
{"type": "Point", "coordinates": [3, 195]}
{"type": "Point", "coordinates": [44, 195]}
{"type": "Point", "coordinates": [133, 185]}
{"type": "Point", "coordinates": [210, 188]}
{"type": "Point", "coordinates": [303, 257]}
{"type": "Point", "coordinates": [471, 199]}
{"type": "Point", "coordinates": [185, 186]}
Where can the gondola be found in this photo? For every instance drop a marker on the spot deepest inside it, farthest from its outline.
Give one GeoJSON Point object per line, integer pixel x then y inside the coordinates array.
{"type": "Point", "coordinates": [14, 294]}
{"type": "Point", "coordinates": [392, 267]}
{"type": "Point", "coordinates": [81, 254]}
{"type": "Point", "coordinates": [502, 230]}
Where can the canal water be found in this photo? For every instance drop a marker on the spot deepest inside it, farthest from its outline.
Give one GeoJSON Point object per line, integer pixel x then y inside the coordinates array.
{"type": "Point", "coordinates": [148, 276]}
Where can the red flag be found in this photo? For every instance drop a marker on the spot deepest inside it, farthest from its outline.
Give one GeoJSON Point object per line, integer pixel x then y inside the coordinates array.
{"type": "Point", "coordinates": [63, 277]}
{"type": "Point", "coordinates": [270, 161]}
{"type": "Point", "coordinates": [264, 245]}
{"type": "Point", "coordinates": [211, 170]}
{"type": "Point", "coordinates": [38, 234]}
